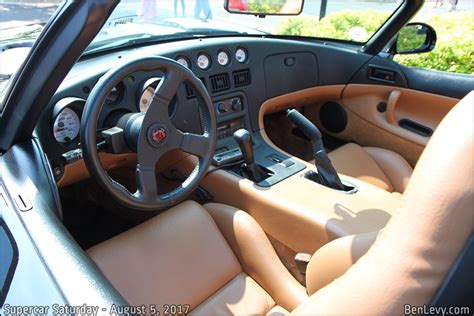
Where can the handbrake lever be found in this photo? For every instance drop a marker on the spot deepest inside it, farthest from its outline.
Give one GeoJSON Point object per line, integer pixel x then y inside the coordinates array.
{"type": "Point", "coordinates": [326, 172]}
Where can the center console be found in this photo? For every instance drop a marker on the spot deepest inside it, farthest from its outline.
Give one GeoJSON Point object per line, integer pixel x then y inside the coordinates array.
{"type": "Point", "coordinates": [231, 117]}
{"type": "Point", "coordinates": [289, 204]}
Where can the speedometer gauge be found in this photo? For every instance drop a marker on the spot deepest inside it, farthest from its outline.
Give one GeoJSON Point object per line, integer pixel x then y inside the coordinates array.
{"type": "Point", "coordinates": [66, 126]}
{"type": "Point", "coordinates": [203, 61]}
{"type": "Point", "coordinates": [223, 58]}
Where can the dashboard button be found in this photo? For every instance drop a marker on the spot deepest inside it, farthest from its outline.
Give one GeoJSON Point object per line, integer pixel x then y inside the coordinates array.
{"type": "Point", "coordinates": [221, 107]}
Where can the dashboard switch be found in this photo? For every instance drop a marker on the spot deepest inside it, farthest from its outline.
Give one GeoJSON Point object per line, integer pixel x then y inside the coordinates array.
{"type": "Point", "coordinates": [221, 107]}
{"type": "Point", "coordinates": [236, 104]}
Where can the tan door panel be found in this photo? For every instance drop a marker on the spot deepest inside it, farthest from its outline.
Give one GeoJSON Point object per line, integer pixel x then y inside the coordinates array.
{"type": "Point", "coordinates": [420, 107]}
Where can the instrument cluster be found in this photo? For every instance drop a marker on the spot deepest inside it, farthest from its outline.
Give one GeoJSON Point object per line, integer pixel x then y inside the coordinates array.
{"type": "Point", "coordinates": [66, 115]}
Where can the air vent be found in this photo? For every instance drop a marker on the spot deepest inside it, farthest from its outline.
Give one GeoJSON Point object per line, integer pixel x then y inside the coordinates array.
{"type": "Point", "coordinates": [190, 90]}
{"type": "Point", "coordinates": [220, 82]}
{"type": "Point", "coordinates": [241, 77]}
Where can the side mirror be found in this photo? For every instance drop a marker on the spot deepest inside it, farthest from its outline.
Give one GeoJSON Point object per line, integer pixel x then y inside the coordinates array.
{"type": "Point", "coordinates": [264, 7]}
{"type": "Point", "coordinates": [414, 38]}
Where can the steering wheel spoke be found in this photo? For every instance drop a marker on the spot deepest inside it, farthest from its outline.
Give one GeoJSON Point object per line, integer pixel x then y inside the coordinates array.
{"type": "Point", "coordinates": [169, 85]}
{"type": "Point", "coordinates": [146, 184]}
{"type": "Point", "coordinates": [195, 144]}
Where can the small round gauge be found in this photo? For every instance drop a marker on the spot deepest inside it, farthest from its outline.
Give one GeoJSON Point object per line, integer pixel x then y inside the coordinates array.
{"type": "Point", "coordinates": [146, 97]}
{"type": "Point", "coordinates": [203, 61]}
{"type": "Point", "coordinates": [241, 55]}
{"type": "Point", "coordinates": [183, 61]}
{"type": "Point", "coordinates": [66, 126]}
{"type": "Point", "coordinates": [223, 58]}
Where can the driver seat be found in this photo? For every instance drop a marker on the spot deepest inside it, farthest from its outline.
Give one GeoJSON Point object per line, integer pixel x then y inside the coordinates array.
{"type": "Point", "coordinates": [215, 258]}
{"type": "Point", "coordinates": [218, 260]}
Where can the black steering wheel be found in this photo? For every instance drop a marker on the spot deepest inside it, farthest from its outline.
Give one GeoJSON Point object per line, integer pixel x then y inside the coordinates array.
{"type": "Point", "coordinates": [150, 135]}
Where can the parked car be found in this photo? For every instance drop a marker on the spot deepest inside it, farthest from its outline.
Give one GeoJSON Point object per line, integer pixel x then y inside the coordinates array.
{"type": "Point", "coordinates": [248, 163]}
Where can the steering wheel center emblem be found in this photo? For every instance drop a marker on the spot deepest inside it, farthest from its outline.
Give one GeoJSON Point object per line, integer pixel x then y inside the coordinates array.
{"type": "Point", "coordinates": [159, 135]}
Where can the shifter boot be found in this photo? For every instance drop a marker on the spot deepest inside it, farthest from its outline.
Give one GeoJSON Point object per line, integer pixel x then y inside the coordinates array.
{"type": "Point", "coordinates": [254, 172]}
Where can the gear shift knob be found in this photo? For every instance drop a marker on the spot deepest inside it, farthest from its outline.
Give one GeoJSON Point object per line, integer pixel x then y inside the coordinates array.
{"type": "Point", "coordinates": [244, 140]}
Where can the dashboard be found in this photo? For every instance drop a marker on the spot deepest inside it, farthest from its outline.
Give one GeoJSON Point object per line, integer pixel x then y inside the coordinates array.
{"type": "Point", "coordinates": [240, 73]}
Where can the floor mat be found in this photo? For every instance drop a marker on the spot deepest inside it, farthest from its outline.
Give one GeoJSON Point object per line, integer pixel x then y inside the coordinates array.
{"type": "Point", "coordinates": [91, 215]}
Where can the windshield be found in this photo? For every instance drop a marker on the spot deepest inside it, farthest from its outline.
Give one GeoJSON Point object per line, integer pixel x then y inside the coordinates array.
{"type": "Point", "coordinates": [142, 21]}
{"type": "Point", "coordinates": [136, 21]}
{"type": "Point", "coordinates": [21, 22]}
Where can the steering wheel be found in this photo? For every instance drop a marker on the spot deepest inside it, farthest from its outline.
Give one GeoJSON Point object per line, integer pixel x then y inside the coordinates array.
{"type": "Point", "coordinates": [150, 135]}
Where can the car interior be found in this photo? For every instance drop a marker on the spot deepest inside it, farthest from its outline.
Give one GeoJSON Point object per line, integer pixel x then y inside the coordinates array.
{"type": "Point", "coordinates": [241, 175]}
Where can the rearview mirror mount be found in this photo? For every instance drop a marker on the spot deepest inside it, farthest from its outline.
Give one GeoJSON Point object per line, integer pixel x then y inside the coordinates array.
{"type": "Point", "coordinates": [262, 8]}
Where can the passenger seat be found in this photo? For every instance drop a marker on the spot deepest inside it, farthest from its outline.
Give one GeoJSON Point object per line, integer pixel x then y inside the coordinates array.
{"type": "Point", "coordinates": [380, 167]}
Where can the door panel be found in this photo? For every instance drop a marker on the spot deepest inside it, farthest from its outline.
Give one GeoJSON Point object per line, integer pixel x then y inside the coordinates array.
{"type": "Point", "coordinates": [398, 112]}
{"type": "Point", "coordinates": [406, 114]}
{"type": "Point", "coordinates": [390, 108]}
{"type": "Point", "coordinates": [363, 132]}
{"type": "Point", "coordinates": [439, 82]}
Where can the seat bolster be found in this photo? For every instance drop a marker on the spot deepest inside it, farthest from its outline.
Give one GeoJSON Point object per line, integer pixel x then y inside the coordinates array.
{"type": "Point", "coordinates": [256, 255]}
{"type": "Point", "coordinates": [353, 161]}
{"type": "Point", "coordinates": [395, 167]}
{"type": "Point", "coordinates": [335, 258]}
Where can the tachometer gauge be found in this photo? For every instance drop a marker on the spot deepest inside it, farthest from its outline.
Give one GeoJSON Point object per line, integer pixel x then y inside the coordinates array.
{"type": "Point", "coordinates": [66, 126]}
{"type": "Point", "coordinates": [223, 58]}
{"type": "Point", "coordinates": [203, 61]}
{"type": "Point", "coordinates": [241, 55]}
{"type": "Point", "coordinates": [183, 61]}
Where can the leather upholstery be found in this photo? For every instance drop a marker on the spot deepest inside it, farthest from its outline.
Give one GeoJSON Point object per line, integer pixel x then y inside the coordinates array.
{"type": "Point", "coordinates": [179, 249]}
{"type": "Point", "coordinates": [181, 257]}
{"type": "Point", "coordinates": [256, 254]}
{"type": "Point", "coordinates": [419, 245]}
{"type": "Point", "coordinates": [335, 258]}
{"type": "Point", "coordinates": [380, 167]}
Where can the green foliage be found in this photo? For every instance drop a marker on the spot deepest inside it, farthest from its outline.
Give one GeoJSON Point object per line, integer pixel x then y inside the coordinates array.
{"type": "Point", "coordinates": [335, 25]}
{"type": "Point", "coordinates": [410, 39]}
{"type": "Point", "coordinates": [454, 49]}
{"type": "Point", "coordinates": [265, 6]}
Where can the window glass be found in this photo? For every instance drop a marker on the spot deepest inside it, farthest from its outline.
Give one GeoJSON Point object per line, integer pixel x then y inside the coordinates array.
{"type": "Point", "coordinates": [21, 22]}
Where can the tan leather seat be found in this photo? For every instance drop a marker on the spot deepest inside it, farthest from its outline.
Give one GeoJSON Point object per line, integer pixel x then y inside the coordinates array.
{"type": "Point", "coordinates": [219, 261]}
{"type": "Point", "coordinates": [380, 167]}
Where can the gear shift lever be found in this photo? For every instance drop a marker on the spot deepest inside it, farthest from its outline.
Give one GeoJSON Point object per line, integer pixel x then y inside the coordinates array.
{"type": "Point", "coordinates": [244, 140]}
{"type": "Point", "coordinates": [250, 169]}
{"type": "Point", "coordinates": [326, 172]}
